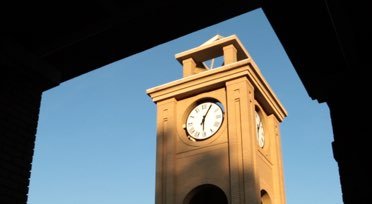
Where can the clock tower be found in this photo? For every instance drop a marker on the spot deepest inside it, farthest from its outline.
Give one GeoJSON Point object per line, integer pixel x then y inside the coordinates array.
{"type": "Point", "coordinates": [218, 135]}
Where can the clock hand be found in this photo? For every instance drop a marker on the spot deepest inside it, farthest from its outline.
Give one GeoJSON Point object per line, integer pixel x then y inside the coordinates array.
{"type": "Point", "coordinates": [205, 115]}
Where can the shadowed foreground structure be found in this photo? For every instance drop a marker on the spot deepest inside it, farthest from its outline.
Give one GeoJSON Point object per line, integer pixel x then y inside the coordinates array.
{"type": "Point", "coordinates": [327, 41]}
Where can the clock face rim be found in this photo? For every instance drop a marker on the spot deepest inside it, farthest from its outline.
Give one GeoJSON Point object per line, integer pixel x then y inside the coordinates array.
{"type": "Point", "coordinates": [212, 108]}
{"type": "Point", "coordinates": [260, 132]}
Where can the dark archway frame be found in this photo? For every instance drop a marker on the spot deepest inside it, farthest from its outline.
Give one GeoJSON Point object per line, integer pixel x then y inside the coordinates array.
{"type": "Point", "coordinates": [206, 194]}
{"type": "Point", "coordinates": [327, 41]}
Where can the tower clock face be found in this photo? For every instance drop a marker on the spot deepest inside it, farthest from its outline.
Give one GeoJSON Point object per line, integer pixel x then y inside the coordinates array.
{"type": "Point", "coordinates": [260, 131]}
{"type": "Point", "coordinates": [204, 120]}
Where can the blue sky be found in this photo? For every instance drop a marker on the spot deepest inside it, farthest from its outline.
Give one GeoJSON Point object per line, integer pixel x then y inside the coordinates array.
{"type": "Point", "coordinates": [96, 133]}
